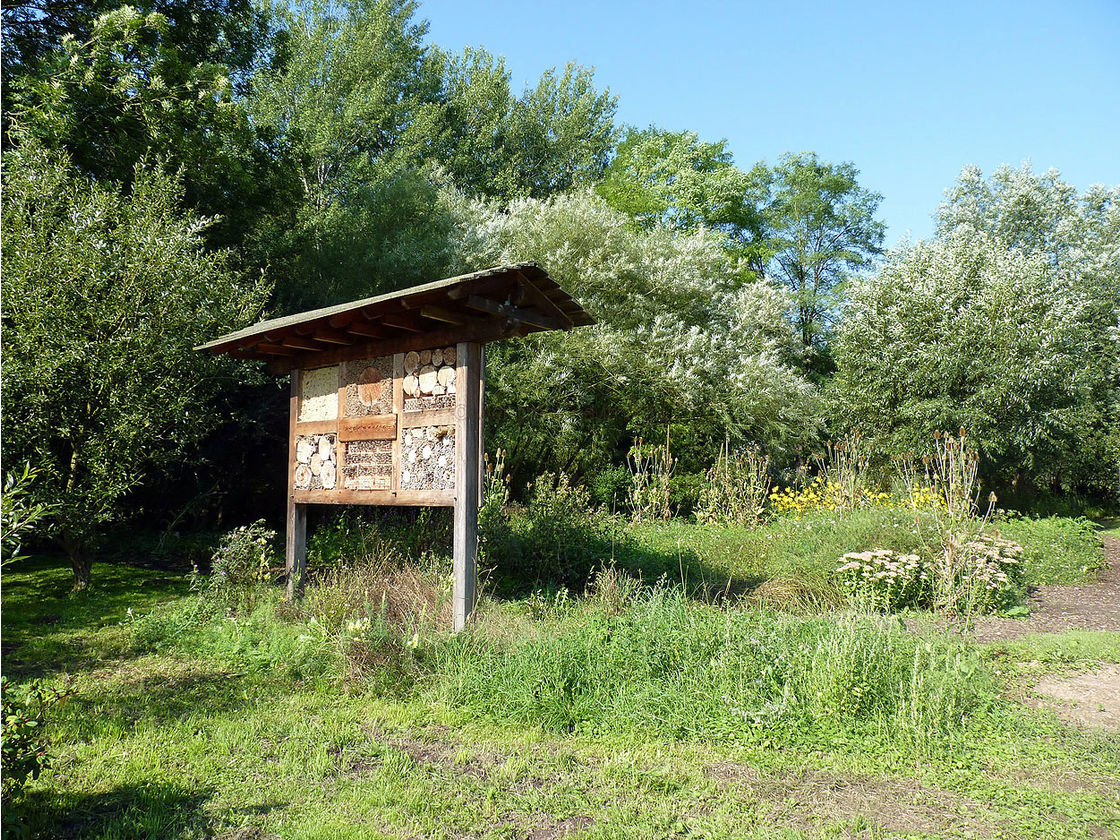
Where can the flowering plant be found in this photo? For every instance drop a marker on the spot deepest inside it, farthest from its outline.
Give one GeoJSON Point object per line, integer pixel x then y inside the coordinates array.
{"type": "Point", "coordinates": [884, 579]}
{"type": "Point", "coordinates": [243, 560]}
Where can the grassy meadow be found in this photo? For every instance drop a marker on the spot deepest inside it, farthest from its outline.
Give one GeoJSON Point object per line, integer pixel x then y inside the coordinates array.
{"type": "Point", "coordinates": [706, 682]}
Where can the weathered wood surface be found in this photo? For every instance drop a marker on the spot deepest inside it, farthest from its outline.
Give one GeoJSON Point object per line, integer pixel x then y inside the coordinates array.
{"type": "Point", "coordinates": [467, 488]}
{"type": "Point", "coordinates": [295, 525]}
{"type": "Point", "coordinates": [383, 427]}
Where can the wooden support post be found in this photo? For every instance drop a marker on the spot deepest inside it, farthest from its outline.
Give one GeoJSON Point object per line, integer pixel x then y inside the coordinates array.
{"type": "Point", "coordinates": [468, 433]}
{"type": "Point", "coordinates": [295, 531]}
{"type": "Point", "coordinates": [296, 549]}
{"type": "Point", "coordinates": [481, 422]}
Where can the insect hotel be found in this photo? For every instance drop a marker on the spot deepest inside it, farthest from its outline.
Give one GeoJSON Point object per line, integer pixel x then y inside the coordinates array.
{"type": "Point", "coordinates": [386, 402]}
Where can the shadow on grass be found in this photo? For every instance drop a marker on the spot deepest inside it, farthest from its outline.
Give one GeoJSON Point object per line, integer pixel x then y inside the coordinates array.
{"type": "Point", "coordinates": [146, 810]}
{"type": "Point", "coordinates": [48, 629]}
{"type": "Point", "coordinates": [176, 691]}
{"type": "Point", "coordinates": [572, 557]}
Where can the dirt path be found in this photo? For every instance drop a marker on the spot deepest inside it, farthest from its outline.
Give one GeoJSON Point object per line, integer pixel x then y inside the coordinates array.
{"type": "Point", "coordinates": [1093, 606]}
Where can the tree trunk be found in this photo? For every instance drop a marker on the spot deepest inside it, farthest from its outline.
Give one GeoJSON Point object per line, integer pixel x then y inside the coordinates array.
{"type": "Point", "coordinates": [81, 561]}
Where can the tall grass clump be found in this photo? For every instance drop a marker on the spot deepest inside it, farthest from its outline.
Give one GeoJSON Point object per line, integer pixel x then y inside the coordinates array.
{"type": "Point", "coordinates": [669, 666]}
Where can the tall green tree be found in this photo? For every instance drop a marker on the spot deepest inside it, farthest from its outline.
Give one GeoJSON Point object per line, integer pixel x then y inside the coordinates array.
{"type": "Point", "coordinates": [105, 293]}
{"type": "Point", "coordinates": [677, 180]}
{"type": "Point", "coordinates": [554, 137]}
{"type": "Point", "coordinates": [1005, 323]}
{"type": "Point", "coordinates": [347, 98]}
{"type": "Point", "coordinates": [130, 84]}
{"type": "Point", "coordinates": [820, 227]}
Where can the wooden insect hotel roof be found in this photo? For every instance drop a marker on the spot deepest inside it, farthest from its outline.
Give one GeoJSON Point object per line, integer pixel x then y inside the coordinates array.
{"type": "Point", "coordinates": [496, 303]}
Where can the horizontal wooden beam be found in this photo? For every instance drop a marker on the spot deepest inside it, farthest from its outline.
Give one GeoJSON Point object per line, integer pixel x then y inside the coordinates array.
{"type": "Point", "coordinates": [527, 316]}
{"type": "Point", "coordinates": [480, 330]}
{"type": "Point", "coordinates": [378, 427]}
{"type": "Point", "coordinates": [427, 498]}
{"type": "Point", "coordinates": [366, 330]}
{"type": "Point", "coordinates": [297, 343]}
{"type": "Point", "coordinates": [272, 349]}
{"type": "Point", "coordinates": [438, 313]}
{"type": "Point", "coordinates": [402, 321]}
{"type": "Point", "coordinates": [316, 427]}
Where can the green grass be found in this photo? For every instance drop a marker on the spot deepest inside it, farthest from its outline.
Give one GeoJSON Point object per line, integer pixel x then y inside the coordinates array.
{"type": "Point", "coordinates": [632, 712]}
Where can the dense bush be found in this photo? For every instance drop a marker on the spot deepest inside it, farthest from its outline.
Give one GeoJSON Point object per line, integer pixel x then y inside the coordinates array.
{"type": "Point", "coordinates": [1005, 323]}
{"type": "Point", "coordinates": [242, 564]}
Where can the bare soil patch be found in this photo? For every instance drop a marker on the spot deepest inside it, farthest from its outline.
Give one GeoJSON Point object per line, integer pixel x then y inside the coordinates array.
{"type": "Point", "coordinates": [1088, 699]}
{"type": "Point", "coordinates": [1055, 609]}
{"type": "Point", "coordinates": [812, 800]}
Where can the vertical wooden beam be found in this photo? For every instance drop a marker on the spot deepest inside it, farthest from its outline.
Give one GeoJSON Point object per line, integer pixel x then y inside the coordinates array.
{"type": "Point", "coordinates": [398, 411]}
{"type": "Point", "coordinates": [468, 382]}
{"type": "Point", "coordinates": [295, 531]}
{"type": "Point", "coordinates": [481, 421]}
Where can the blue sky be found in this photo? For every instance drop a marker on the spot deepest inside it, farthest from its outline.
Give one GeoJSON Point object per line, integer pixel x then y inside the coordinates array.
{"type": "Point", "coordinates": [910, 92]}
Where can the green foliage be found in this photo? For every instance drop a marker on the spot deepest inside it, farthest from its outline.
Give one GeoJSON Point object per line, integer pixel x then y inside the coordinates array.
{"type": "Point", "coordinates": [820, 226]}
{"type": "Point", "coordinates": [1056, 549]}
{"type": "Point", "coordinates": [26, 748]}
{"type": "Point", "coordinates": [339, 539]}
{"type": "Point", "coordinates": [105, 294]}
{"type": "Point", "coordinates": [678, 341]}
{"type": "Point", "coordinates": [736, 488]}
{"type": "Point", "coordinates": [18, 516]}
{"type": "Point", "coordinates": [936, 341]}
{"type": "Point", "coordinates": [134, 84]}
{"type": "Point", "coordinates": [345, 98]}
{"type": "Point", "coordinates": [555, 540]}
{"type": "Point", "coordinates": [675, 180]}
{"type": "Point", "coordinates": [242, 563]}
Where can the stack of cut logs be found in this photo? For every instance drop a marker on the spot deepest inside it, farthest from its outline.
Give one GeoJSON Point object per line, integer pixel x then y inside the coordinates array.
{"type": "Point", "coordinates": [429, 373]}
{"type": "Point", "coordinates": [316, 463]}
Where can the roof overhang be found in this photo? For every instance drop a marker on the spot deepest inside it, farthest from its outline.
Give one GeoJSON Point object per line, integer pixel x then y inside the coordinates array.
{"type": "Point", "coordinates": [489, 305]}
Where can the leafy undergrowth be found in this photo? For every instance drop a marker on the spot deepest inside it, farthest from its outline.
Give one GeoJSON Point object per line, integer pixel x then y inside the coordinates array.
{"type": "Point", "coordinates": [631, 711]}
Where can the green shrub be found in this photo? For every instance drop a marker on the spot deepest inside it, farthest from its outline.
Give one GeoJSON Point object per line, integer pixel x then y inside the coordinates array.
{"type": "Point", "coordinates": [557, 539]}
{"type": "Point", "coordinates": [19, 514]}
{"type": "Point", "coordinates": [25, 745]}
{"type": "Point", "coordinates": [610, 487]}
{"type": "Point", "coordinates": [241, 566]}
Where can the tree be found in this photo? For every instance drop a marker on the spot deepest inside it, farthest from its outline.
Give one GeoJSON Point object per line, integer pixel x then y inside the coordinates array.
{"type": "Point", "coordinates": [560, 134]}
{"type": "Point", "coordinates": [964, 331]}
{"type": "Point", "coordinates": [128, 85]}
{"type": "Point", "coordinates": [679, 340]}
{"type": "Point", "coordinates": [820, 226]}
{"type": "Point", "coordinates": [105, 293]}
{"type": "Point", "coordinates": [347, 99]}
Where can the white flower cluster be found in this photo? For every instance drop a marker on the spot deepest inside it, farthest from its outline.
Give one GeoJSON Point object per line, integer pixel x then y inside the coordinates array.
{"type": "Point", "coordinates": [886, 579]}
{"type": "Point", "coordinates": [992, 561]}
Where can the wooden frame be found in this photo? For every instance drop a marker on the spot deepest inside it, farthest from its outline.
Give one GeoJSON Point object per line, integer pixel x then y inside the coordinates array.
{"type": "Point", "coordinates": [466, 419]}
{"type": "Point", "coordinates": [410, 425]}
